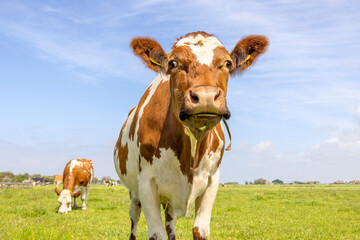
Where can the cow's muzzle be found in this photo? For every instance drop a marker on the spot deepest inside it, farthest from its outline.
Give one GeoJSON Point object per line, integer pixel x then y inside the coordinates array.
{"type": "Point", "coordinates": [203, 107]}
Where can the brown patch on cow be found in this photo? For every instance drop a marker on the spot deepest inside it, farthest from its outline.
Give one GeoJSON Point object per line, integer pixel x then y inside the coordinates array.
{"type": "Point", "coordinates": [196, 233]}
{"type": "Point", "coordinates": [216, 142]}
{"type": "Point", "coordinates": [154, 237]}
{"type": "Point", "coordinates": [122, 154]}
{"type": "Point", "coordinates": [168, 217]}
{"type": "Point", "coordinates": [122, 157]}
{"type": "Point", "coordinates": [132, 225]}
{"type": "Point", "coordinates": [152, 122]}
{"type": "Point", "coordinates": [139, 163]}
{"type": "Point", "coordinates": [168, 230]}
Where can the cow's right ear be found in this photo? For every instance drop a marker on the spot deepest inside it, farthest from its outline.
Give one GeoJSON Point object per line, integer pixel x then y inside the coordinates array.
{"type": "Point", "coordinates": [151, 52]}
{"type": "Point", "coordinates": [247, 50]}
{"type": "Point", "coordinates": [57, 191]}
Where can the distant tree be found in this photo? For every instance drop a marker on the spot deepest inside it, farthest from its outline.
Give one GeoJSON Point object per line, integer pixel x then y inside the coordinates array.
{"type": "Point", "coordinates": [260, 181]}
{"type": "Point", "coordinates": [10, 176]}
{"type": "Point", "coordinates": [251, 183]}
{"type": "Point", "coordinates": [21, 177]}
{"type": "Point", "coordinates": [277, 181]}
{"type": "Point", "coordinates": [36, 176]}
{"type": "Point", "coordinates": [106, 178]}
{"type": "Point", "coordinates": [7, 179]}
{"type": "Point", "coordinates": [246, 183]}
{"type": "Point", "coordinates": [95, 179]}
{"type": "Point", "coordinates": [49, 179]}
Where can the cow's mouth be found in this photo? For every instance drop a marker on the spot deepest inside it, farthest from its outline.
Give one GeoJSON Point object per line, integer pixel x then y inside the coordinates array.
{"type": "Point", "coordinates": [204, 116]}
{"type": "Point", "coordinates": [202, 121]}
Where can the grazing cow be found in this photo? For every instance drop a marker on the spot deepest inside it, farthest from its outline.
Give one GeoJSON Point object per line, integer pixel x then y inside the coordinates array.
{"type": "Point", "coordinates": [77, 177]}
{"type": "Point", "coordinates": [170, 147]}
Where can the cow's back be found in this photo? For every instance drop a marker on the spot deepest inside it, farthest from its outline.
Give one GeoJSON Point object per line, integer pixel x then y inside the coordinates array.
{"type": "Point", "coordinates": [78, 172]}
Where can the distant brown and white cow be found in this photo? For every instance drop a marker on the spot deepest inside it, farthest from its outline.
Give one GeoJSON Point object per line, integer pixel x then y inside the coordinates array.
{"type": "Point", "coordinates": [77, 177]}
{"type": "Point", "coordinates": [170, 147]}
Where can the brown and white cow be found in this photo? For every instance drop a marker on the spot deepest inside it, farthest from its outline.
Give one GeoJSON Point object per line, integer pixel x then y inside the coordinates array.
{"type": "Point", "coordinates": [77, 177]}
{"type": "Point", "coordinates": [170, 147]}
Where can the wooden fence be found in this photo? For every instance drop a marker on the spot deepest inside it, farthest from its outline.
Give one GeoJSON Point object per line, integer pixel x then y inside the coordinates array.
{"type": "Point", "coordinates": [15, 185]}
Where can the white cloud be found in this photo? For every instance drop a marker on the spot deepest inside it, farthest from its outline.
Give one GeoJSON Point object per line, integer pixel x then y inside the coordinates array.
{"type": "Point", "coordinates": [263, 146]}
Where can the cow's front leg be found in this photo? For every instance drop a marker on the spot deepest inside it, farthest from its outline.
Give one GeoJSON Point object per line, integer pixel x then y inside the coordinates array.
{"type": "Point", "coordinates": [84, 195]}
{"type": "Point", "coordinates": [203, 207]}
{"type": "Point", "coordinates": [170, 222]}
{"type": "Point", "coordinates": [74, 205]}
{"type": "Point", "coordinates": [150, 204]}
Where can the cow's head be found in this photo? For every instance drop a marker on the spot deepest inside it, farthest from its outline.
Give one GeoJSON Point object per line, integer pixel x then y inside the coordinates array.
{"type": "Point", "coordinates": [64, 200]}
{"type": "Point", "coordinates": [199, 67]}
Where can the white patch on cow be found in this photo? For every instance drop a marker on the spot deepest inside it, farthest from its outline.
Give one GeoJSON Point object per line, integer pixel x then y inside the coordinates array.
{"type": "Point", "coordinates": [171, 183]}
{"type": "Point", "coordinates": [74, 163]}
{"type": "Point", "coordinates": [65, 201]}
{"type": "Point", "coordinates": [193, 141]}
{"type": "Point", "coordinates": [201, 46]}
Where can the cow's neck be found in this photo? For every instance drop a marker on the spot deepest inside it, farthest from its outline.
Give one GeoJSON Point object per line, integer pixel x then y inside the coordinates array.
{"type": "Point", "coordinates": [69, 183]}
{"type": "Point", "coordinates": [191, 146]}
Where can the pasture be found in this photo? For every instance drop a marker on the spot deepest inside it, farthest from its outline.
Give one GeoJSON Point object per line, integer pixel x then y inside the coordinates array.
{"type": "Point", "coordinates": [240, 212]}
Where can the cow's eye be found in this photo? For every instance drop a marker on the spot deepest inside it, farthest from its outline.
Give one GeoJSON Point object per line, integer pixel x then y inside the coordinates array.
{"type": "Point", "coordinates": [172, 64]}
{"type": "Point", "coordinates": [228, 64]}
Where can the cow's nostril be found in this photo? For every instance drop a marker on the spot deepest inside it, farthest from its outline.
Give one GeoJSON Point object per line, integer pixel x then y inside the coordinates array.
{"type": "Point", "coordinates": [194, 98]}
{"type": "Point", "coordinates": [217, 95]}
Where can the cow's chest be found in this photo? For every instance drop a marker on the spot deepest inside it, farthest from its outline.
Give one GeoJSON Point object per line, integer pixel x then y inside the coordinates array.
{"type": "Point", "coordinates": [173, 185]}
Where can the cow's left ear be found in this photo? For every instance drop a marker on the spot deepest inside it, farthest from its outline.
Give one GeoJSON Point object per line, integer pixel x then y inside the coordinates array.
{"type": "Point", "coordinates": [247, 50]}
{"type": "Point", "coordinates": [151, 52]}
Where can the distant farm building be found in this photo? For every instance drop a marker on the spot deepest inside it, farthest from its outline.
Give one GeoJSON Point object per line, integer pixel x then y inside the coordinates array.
{"type": "Point", "coordinates": [277, 181]}
{"type": "Point", "coordinates": [355, 182]}
{"type": "Point", "coordinates": [339, 182]}
{"type": "Point", "coordinates": [38, 180]}
{"type": "Point", "coordinates": [313, 182]}
{"type": "Point", "coordinates": [58, 179]}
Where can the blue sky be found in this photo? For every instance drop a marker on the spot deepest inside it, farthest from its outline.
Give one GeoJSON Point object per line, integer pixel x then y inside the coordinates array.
{"type": "Point", "coordinates": [68, 79]}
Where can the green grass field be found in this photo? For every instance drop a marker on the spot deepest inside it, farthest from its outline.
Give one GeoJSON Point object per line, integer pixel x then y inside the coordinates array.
{"type": "Point", "coordinates": [240, 212]}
